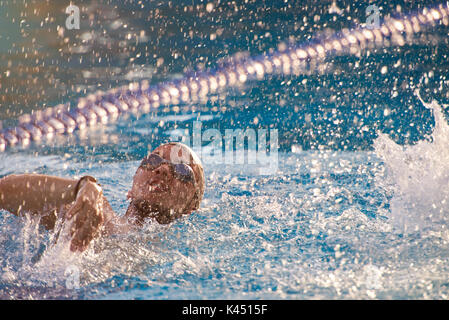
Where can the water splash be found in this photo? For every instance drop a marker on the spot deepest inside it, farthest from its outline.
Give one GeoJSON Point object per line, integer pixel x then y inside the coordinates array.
{"type": "Point", "coordinates": [104, 107]}
{"type": "Point", "coordinates": [319, 229]}
{"type": "Point", "coordinates": [418, 177]}
{"type": "Point", "coordinates": [35, 266]}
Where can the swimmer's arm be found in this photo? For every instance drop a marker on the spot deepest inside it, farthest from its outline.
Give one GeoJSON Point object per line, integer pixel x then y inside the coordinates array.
{"type": "Point", "coordinates": [35, 192]}
{"type": "Point", "coordinates": [92, 215]}
{"type": "Point", "coordinates": [87, 215]}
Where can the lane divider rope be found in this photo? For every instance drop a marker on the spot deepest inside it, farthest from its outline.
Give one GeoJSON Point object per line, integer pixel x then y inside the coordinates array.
{"type": "Point", "coordinates": [140, 97]}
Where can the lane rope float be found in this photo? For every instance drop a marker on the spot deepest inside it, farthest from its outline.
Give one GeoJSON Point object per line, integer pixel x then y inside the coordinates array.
{"type": "Point", "coordinates": [139, 97]}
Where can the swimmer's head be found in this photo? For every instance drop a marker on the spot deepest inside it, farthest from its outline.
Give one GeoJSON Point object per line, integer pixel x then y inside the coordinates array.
{"type": "Point", "coordinates": [168, 183]}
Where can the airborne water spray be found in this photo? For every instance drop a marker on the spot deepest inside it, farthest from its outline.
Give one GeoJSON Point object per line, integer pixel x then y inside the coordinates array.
{"type": "Point", "coordinates": [103, 107]}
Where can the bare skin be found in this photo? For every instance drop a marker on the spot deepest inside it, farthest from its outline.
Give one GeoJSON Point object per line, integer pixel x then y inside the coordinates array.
{"type": "Point", "coordinates": [156, 194]}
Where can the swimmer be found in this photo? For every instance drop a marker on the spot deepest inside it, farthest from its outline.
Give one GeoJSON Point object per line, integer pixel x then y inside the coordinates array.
{"type": "Point", "coordinates": [168, 184]}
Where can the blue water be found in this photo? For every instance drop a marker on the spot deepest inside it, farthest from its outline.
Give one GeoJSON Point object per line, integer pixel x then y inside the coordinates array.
{"type": "Point", "coordinates": [349, 214]}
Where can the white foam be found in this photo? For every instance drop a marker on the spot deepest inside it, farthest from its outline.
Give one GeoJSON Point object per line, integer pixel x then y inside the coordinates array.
{"type": "Point", "coordinates": [418, 177]}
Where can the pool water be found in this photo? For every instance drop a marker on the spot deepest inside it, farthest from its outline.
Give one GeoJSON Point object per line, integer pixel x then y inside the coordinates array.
{"type": "Point", "coordinates": [357, 209]}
